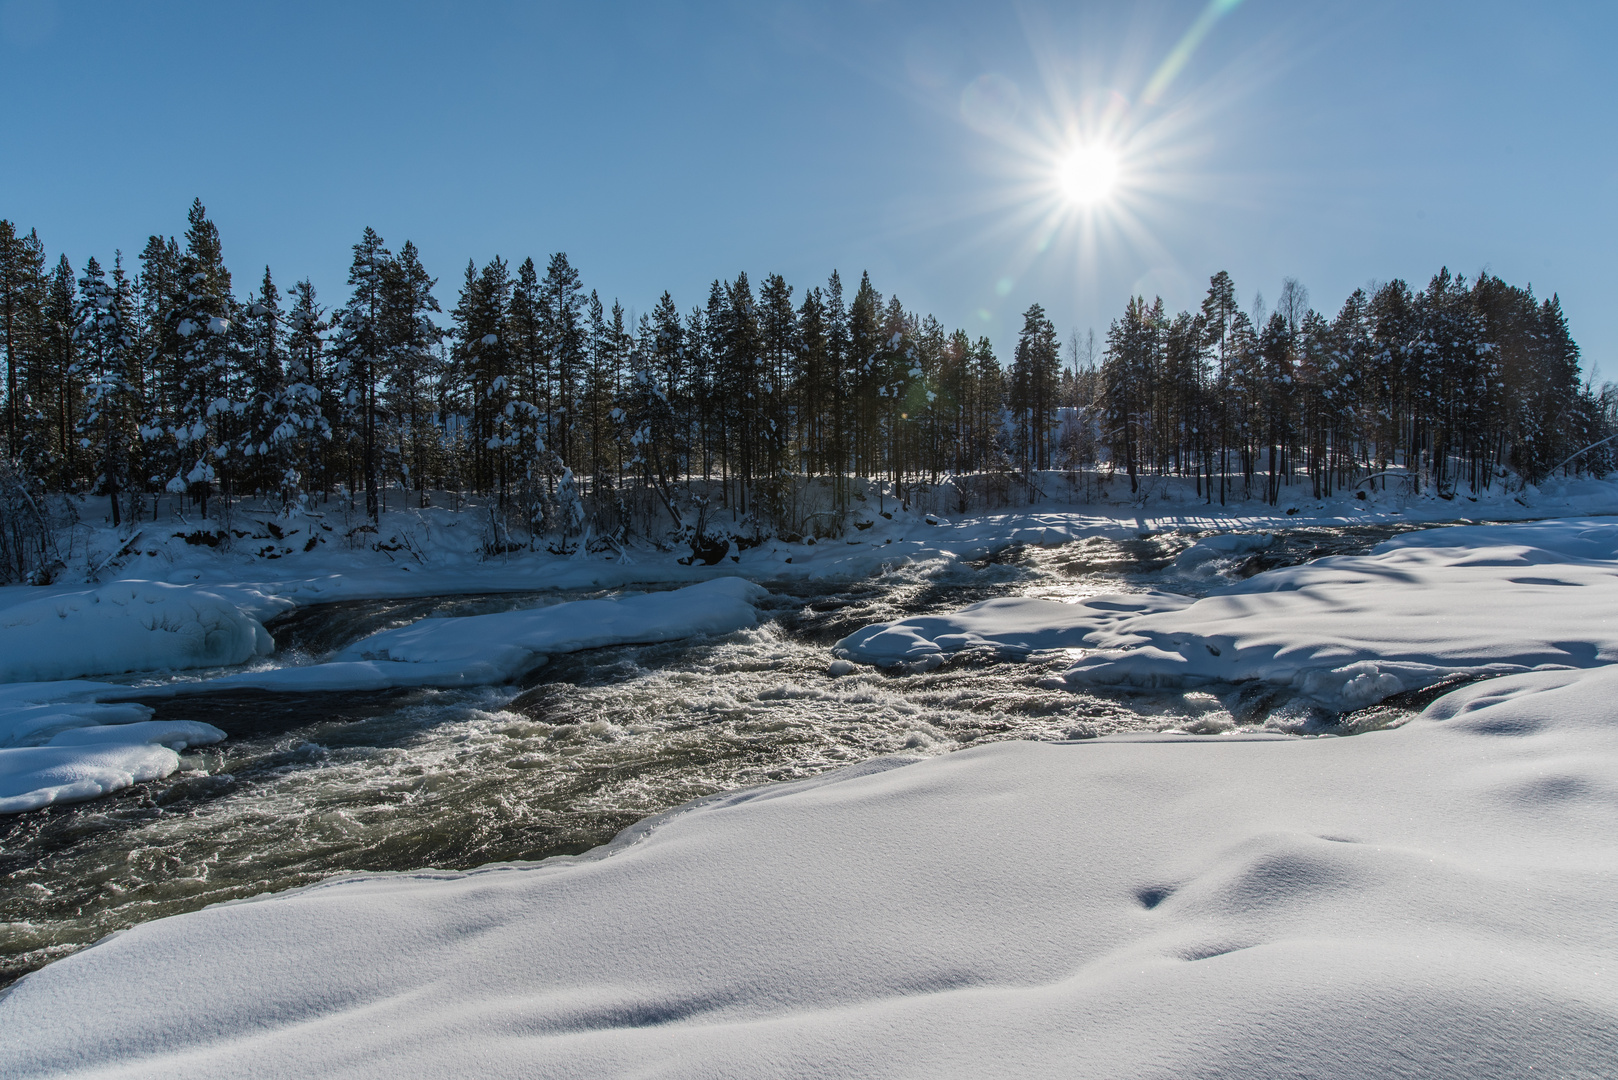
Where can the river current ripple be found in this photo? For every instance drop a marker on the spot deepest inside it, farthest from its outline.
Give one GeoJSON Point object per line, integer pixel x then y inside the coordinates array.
{"type": "Point", "coordinates": [308, 786]}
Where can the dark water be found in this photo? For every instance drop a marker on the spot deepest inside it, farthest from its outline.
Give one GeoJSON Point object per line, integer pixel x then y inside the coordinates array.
{"type": "Point", "coordinates": [312, 785]}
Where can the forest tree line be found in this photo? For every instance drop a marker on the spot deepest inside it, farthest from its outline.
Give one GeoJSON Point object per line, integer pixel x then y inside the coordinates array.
{"type": "Point", "coordinates": [130, 382]}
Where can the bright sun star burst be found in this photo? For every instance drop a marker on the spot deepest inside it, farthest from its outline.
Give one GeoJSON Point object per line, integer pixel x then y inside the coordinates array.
{"type": "Point", "coordinates": [1088, 174]}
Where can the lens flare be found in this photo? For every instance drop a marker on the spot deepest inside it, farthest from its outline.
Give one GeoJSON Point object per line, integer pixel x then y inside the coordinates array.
{"type": "Point", "coordinates": [1088, 174]}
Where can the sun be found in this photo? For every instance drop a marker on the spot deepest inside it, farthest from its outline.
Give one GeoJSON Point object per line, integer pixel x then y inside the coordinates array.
{"type": "Point", "coordinates": [1088, 174]}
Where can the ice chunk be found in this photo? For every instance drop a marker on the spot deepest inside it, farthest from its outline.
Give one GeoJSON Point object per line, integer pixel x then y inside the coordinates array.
{"type": "Point", "coordinates": [88, 762]}
{"type": "Point", "coordinates": [1223, 546]}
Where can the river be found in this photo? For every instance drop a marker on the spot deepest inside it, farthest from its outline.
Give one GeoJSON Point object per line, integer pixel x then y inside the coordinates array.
{"type": "Point", "coordinates": [311, 785]}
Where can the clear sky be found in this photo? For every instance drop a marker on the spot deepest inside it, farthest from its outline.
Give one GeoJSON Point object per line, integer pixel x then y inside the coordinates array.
{"type": "Point", "coordinates": [662, 145]}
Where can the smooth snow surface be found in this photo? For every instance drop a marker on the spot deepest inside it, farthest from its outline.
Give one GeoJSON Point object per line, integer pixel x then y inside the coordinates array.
{"type": "Point", "coordinates": [1345, 631]}
{"type": "Point", "coordinates": [1433, 901]}
{"type": "Point", "coordinates": [125, 626]}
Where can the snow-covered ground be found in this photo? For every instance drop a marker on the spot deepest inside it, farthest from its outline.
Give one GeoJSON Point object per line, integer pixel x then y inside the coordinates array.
{"type": "Point", "coordinates": [439, 551]}
{"type": "Point", "coordinates": [1430, 901]}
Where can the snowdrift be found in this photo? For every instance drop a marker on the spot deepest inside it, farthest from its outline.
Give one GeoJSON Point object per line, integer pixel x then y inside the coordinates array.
{"type": "Point", "coordinates": [125, 626]}
{"type": "Point", "coordinates": [1344, 631]}
{"type": "Point", "coordinates": [1432, 901]}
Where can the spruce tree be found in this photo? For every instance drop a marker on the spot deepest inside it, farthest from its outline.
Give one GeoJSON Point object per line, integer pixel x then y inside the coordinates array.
{"type": "Point", "coordinates": [304, 427]}
{"type": "Point", "coordinates": [197, 344]}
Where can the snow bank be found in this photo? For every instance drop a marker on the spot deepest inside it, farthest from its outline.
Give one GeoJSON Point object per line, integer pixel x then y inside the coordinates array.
{"type": "Point", "coordinates": [482, 649]}
{"type": "Point", "coordinates": [1566, 538]}
{"type": "Point", "coordinates": [1433, 901]}
{"type": "Point", "coordinates": [66, 753]}
{"type": "Point", "coordinates": [1345, 631]}
{"type": "Point", "coordinates": [126, 626]}
{"type": "Point", "coordinates": [1349, 631]}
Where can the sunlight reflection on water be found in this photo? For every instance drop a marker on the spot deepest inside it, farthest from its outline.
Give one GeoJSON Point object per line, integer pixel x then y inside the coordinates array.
{"type": "Point", "coordinates": [314, 785]}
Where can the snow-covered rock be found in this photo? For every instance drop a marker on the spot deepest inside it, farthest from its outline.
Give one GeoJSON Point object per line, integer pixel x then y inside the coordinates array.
{"type": "Point", "coordinates": [1005, 626]}
{"type": "Point", "coordinates": [125, 626]}
{"type": "Point", "coordinates": [1345, 631]}
{"type": "Point", "coordinates": [1223, 546]}
{"type": "Point", "coordinates": [1432, 901]}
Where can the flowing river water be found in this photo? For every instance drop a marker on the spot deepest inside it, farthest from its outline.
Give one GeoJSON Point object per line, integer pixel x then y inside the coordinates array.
{"type": "Point", "coordinates": [311, 785]}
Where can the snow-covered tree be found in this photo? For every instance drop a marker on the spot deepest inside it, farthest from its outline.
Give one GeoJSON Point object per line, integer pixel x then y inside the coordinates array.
{"type": "Point", "coordinates": [106, 355]}
{"type": "Point", "coordinates": [359, 345]}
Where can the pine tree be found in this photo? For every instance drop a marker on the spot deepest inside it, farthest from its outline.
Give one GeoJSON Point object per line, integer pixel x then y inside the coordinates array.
{"type": "Point", "coordinates": [839, 390]}
{"type": "Point", "coordinates": [359, 344]}
{"type": "Point", "coordinates": [534, 381]}
{"type": "Point", "coordinates": [563, 302]}
{"type": "Point", "coordinates": [1035, 372]}
{"type": "Point", "coordinates": [649, 412]}
{"type": "Point", "coordinates": [779, 347]}
{"type": "Point", "coordinates": [196, 343]}
{"type": "Point", "coordinates": [668, 372]}
{"type": "Point", "coordinates": [409, 339]}
{"type": "Point", "coordinates": [262, 377]}
{"type": "Point", "coordinates": [106, 349]}
{"type": "Point", "coordinates": [22, 300]}
{"type": "Point", "coordinates": [1128, 374]}
{"type": "Point", "coordinates": [54, 387]}
{"type": "Point", "coordinates": [865, 376]}
{"type": "Point", "coordinates": [157, 293]}
{"type": "Point", "coordinates": [814, 401]}
{"type": "Point", "coordinates": [483, 357]}
{"type": "Point", "coordinates": [1219, 312]}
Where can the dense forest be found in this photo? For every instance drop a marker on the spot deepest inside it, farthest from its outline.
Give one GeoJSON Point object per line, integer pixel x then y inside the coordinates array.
{"type": "Point", "coordinates": [161, 382]}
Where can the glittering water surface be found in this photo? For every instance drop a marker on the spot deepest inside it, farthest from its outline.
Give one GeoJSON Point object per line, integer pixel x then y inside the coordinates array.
{"type": "Point", "coordinates": [317, 784]}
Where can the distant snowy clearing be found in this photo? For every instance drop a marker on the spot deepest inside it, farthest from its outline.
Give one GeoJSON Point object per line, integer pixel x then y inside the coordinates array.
{"type": "Point", "coordinates": [1345, 632]}
{"type": "Point", "coordinates": [1432, 901]}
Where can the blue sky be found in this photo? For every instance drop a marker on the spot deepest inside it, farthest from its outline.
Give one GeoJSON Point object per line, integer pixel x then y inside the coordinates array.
{"type": "Point", "coordinates": [664, 145]}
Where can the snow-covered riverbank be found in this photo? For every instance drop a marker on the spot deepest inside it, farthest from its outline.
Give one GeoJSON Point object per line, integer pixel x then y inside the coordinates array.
{"type": "Point", "coordinates": [1430, 901]}
{"type": "Point", "coordinates": [55, 750]}
{"type": "Point", "coordinates": [178, 605]}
